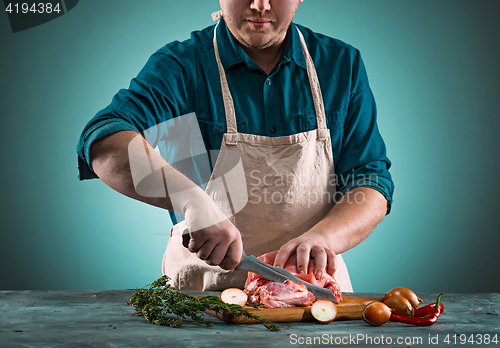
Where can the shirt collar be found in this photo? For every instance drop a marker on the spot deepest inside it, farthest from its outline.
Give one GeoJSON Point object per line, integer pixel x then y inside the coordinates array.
{"type": "Point", "coordinates": [231, 52]}
{"type": "Point", "coordinates": [293, 47]}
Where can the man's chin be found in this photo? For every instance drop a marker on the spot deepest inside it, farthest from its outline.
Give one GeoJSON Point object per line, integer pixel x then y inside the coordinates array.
{"type": "Point", "coordinates": [258, 45]}
{"type": "Point", "coordinates": [257, 40]}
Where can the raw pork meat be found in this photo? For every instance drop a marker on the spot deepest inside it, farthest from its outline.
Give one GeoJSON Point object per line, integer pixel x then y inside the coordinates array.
{"type": "Point", "coordinates": [287, 294]}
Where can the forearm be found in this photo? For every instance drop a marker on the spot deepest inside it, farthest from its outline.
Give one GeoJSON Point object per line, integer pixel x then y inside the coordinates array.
{"type": "Point", "coordinates": [352, 219]}
{"type": "Point", "coordinates": [346, 225]}
{"type": "Point", "coordinates": [123, 157]}
{"type": "Point", "coordinates": [111, 161]}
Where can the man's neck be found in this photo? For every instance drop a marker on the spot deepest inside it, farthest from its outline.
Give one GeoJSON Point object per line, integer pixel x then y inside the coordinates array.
{"type": "Point", "coordinates": [265, 58]}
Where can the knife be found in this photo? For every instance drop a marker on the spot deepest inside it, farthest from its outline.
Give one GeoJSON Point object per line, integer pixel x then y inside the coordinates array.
{"type": "Point", "coordinates": [276, 274]}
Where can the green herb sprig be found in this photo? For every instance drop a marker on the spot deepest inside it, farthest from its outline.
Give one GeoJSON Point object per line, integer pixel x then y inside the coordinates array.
{"type": "Point", "coordinates": [162, 304]}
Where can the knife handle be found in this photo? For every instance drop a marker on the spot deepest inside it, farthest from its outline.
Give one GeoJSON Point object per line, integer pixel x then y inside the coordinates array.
{"type": "Point", "coordinates": [185, 238]}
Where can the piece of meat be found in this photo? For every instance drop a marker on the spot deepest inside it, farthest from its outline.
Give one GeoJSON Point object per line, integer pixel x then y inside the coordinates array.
{"type": "Point", "coordinates": [282, 295]}
{"type": "Point", "coordinates": [288, 294]}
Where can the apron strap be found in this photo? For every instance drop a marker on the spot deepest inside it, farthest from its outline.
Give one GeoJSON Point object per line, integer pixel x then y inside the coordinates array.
{"type": "Point", "coordinates": [229, 104]}
{"type": "Point", "coordinates": [316, 90]}
{"type": "Point", "coordinates": [217, 15]}
{"type": "Point", "coordinates": [226, 95]}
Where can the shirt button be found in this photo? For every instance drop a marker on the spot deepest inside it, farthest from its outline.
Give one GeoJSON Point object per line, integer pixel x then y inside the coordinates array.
{"type": "Point", "coordinates": [269, 82]}
{"type": "Point", "coordinates": [273, 129]}
{"type": "Point", "coordinates": [218, 130]}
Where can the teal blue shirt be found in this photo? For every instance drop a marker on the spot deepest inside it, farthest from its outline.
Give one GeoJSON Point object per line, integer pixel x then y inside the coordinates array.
{"type": "Point", "coordinates": [182, 77]}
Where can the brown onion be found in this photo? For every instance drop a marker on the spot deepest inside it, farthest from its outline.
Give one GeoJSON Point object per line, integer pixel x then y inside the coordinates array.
{"type": "Point", "coordinates": [376, 313]}
{"type": "Point", "coordinates": [415, 301]}
{"type": "Point", "coordinates": [400, 305]}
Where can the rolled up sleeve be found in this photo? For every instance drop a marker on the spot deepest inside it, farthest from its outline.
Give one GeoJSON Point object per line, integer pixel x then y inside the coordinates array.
{"type": "Point", "coordinates": [94, 132]}
{"type": "Point", "coordinates": [157, 94]}
{"type": "Point", "coordinates": [363, 161]}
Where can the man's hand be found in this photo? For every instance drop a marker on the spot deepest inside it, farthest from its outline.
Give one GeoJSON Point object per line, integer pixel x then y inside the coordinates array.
{"type": "Point", "coordinates": [346, 225]}
{"type": "Point", "coordinates": [218, 245]}
{"type": "Point", "coordinates": [214, 238]}
{"type": "Point", "coordinates": [308, 246]}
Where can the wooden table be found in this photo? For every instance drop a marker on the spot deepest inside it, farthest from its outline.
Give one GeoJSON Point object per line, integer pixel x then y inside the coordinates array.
{"type": "Point", "coordinates": [103, 319]}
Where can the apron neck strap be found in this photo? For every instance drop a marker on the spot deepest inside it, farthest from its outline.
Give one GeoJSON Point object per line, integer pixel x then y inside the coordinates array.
{"type": "Point", "coordinates": [226, 94]}
{"type": "Point", "coordinates": [313, 81]}
{"type": "Point", "coordinates": [315, 89]}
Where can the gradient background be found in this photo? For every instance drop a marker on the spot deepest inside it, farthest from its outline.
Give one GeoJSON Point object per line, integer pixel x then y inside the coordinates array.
{"type": "Point", "coordinates": [434, 67]}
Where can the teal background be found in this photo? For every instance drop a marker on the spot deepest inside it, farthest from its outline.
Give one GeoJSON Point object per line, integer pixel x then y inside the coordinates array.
{"type": "Point", "coordinates": [433, 67]}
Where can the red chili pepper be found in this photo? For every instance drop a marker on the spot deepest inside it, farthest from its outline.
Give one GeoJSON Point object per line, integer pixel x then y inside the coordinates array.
{"type": "Point", "coordinates": [426, 310]}
{"type": "Point", "coordinates": [435, 311]}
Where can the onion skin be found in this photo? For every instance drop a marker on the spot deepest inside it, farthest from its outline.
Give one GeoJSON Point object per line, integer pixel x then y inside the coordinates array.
{"type": "Point", "coordinates": [376, 313]}
{"type": "Point", "coordinates": [415, 301]}
{"type": "Point", "coordinates": [400, 305]}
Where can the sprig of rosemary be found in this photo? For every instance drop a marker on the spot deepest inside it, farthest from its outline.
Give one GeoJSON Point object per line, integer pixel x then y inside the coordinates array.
{"type": "Point", "coordinates": [254, 304]}
{"type": "Point", "coordinates": [162, 304]}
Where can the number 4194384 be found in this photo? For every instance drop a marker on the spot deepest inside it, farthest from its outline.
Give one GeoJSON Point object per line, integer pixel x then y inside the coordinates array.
{"type": "Point", "coordinates": [471, 339]}
{"type": "Point", "coordinates": [34, 8]}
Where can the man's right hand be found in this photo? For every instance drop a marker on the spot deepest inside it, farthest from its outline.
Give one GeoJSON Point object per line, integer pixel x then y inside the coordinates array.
{"type": "Point", "coordinates": [213, 237]}
{"type": "Point", "coordinates": [217, 245]}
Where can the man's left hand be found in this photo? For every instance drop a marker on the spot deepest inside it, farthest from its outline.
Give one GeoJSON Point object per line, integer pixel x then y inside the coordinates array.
{"type": "Point", "coordinates": [348, 223]}
{"type": "Point", "coordinates": [308, 246]}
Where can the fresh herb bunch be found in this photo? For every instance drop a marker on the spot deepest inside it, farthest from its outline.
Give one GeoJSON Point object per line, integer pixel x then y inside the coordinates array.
{"type": "Point", "coordinates": [161, 301]}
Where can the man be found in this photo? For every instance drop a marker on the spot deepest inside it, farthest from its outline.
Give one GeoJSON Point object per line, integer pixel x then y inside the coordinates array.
{"type": "Point", "coordinates": [277, 89]}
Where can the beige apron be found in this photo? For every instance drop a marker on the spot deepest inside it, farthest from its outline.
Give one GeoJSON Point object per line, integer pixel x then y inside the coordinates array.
{"type": "Point", "coordinates": [290, 189]}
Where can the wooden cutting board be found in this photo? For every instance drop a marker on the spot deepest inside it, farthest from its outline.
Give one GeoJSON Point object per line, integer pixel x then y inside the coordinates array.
{"type": "Point", "coordinates": [351, 307]}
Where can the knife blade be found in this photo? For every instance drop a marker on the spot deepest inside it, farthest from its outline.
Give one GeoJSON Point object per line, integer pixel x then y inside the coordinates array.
{"type": "Point", "coordinates": [276, 274]}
